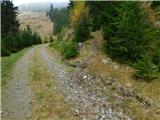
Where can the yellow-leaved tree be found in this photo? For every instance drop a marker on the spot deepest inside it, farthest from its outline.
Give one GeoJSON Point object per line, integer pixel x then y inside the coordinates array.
{"type": "Point", "coordinates": [80, 20]}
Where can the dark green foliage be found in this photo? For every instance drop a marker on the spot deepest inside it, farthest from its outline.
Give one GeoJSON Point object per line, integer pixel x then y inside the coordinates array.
{"type": "Point", "coordinates": [28, 38]}
{"type": "Point", "coordinates": [125, 31]}
{"type": "Point", "coordinates": [155, 49]}
{"type": "Point", "coordinates": [60, 18]}
{"type": "Point", "coordinates": [70, 5]}
{"type": "Point", "coordinates": [69, 50]}
{"type": "Point", "coordinates": [96, 9]}
{"type": "Point", "coordinates": [155, 4]}
{"type": "Point", "coordinates": [9, 26]}
{"type": "Point", "coordinates": [4, 50]}
{"type": "Point", "coordinates": [146, 69]}
{"type": "Point", "coordinates": [51, 39]}
{"type": "Point", "coordinates": [129, 35]}
{"type": "Point", "coordinates": [82, 32]}
{"type": "Point", "coordinates": [8, 17]}
{"type": "Point", "coordinates": [156, 58]}
{"type": "Point", "coordinates": [14, 40]}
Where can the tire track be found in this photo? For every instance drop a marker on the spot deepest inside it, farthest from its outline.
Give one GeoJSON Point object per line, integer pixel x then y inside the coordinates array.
{"type": "Point", "coordinates": [16, 97]}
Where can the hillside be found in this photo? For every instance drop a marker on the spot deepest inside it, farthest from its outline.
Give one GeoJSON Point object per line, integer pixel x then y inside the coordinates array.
{"type": "Point", "coordinates": [115, 80]}
{"type": "Point", "coordinates": [91, 60]}
{"type": "Point", "coordinates": [38, 22]}
{"type": "Point", "coordinates": [41, 6]}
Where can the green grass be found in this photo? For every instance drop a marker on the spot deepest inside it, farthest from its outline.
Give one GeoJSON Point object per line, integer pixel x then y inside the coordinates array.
{"type": "Point", "coordinates": [8, 63]}
{"type": "Point", "coordinates": [39, 96]}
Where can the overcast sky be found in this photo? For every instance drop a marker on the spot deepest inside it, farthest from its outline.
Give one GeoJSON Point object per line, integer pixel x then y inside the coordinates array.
{"type": "Point", "coordinates": [18, 2]}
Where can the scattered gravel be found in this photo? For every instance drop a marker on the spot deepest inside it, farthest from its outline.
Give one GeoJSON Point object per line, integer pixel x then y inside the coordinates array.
{"type": "Point", "coordinates": [89, 104]}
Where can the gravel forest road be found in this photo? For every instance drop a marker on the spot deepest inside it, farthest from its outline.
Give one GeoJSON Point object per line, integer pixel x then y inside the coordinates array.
{"type": "Point", "coordinates": [16, 96]}
{"type": "Point", "coordinates": [88, 104]}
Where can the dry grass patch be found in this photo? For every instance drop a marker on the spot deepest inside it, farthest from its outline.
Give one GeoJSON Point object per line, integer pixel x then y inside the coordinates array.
{"type": "Point", "coordinates": [123, 74]}
{"type": "Point", "coordinates": [124, 77]}
{"type": "Point", "coordinates": [44, 26]}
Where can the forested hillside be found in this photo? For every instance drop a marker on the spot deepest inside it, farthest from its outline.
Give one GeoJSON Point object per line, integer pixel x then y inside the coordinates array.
{"type": "Point", "coordinates": [41, 6]}
{"type": "Point", "coordinates": [60, 18]}
{"type": "Point", "coordinates": [129, 35]}
{"type": "Point", "coordinates": [118, 43]}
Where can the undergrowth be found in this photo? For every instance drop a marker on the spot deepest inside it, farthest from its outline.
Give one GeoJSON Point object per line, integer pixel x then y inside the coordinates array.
{"type": "Point", "coordinates": [68, 49]}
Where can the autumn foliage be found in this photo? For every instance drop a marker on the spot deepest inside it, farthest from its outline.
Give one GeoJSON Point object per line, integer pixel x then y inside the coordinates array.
{"type": "Point", "coordinates": [80, 20]}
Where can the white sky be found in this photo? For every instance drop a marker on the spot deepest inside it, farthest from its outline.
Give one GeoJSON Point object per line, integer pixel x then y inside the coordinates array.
{"type": "Point", "coordinates": [18, 2]}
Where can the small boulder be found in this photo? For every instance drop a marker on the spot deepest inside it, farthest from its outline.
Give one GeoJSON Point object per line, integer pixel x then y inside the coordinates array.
{"type": "Point", "coordinates": [115, 66]}
{"type": "Point", "coordinates": [84, 77]}
{"type": "Point", "coordinates": [104, 61]}
{"type": "Point", "coordinates": [76, 112]}
{"type": "Point", "coordinates": [76, 92]}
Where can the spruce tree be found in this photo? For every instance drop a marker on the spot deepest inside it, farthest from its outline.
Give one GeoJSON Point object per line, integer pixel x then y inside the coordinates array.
{"type": "Point", "coordinates": [9, 25]}
{"type": "Point", "coordinates": [60, 18]}
{"type": "Point", "coordinates": [125, 30]}
{"type": "Point", "coordinates": [8, 17]}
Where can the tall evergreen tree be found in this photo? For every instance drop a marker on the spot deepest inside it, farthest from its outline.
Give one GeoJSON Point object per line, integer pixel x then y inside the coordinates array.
{"type": "Point", "coordinates": [80, 21]}
{"type": "Point", "coordinates": [96, 9]}
{"type": "Point", "coordinates": [13, 39]}
{"type": "Point", "coordinates": [125, 30]}
{"type": "Point", "coordinates": [8, 17]}
{"type": "Point", "coordinates": [60, 18]}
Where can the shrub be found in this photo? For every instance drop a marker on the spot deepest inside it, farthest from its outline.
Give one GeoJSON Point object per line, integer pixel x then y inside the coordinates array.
{"type": "Point", "coordinates": [155, 46]}
{"type": "Point", "coordinates": [51, 38]}
{"type": "Point", "coordinates": [156, 58]}
{"type": "Point", "coordinates": [146, 69]}
{"type": "Point", "coordinates": [12, 43]}
{"type": "Point", "coordinates": [69, 50]}
{"type": "Point", "coordinates": [155, 4]}
{"type": "Point", "coordinates": [4, 51]}
{"type": "Point", "coordinates": [56, 44]}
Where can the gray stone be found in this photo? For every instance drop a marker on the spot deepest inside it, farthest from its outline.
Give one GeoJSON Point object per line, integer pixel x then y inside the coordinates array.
{"type": "Point", "coordinates": [104, 61]}
{"type": "Point", "coordinates": [84, 77]}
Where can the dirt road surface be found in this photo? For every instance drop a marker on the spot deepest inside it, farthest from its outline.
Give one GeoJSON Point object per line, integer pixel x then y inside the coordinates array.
{"type": "Point", "coordinates": [88, 104]}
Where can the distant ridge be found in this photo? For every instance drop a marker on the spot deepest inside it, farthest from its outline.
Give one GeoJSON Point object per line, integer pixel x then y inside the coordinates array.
{"type": "Point", "coordinates": [41, 6]}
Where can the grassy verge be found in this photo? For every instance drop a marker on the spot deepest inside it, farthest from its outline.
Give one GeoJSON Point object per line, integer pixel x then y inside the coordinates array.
{"type": "Point", "coordinates": [123, 74]}
{"type": "Point", "coordinates": [8, 63]}
{"type": "Point", "coordinates": [48, 101]}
